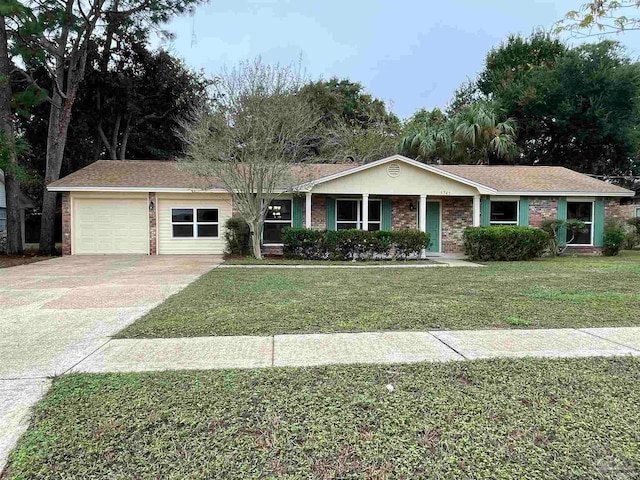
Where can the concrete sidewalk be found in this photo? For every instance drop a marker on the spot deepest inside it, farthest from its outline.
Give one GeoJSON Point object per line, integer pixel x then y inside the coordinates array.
{"type": "Point", "coordinates": [137, 355]}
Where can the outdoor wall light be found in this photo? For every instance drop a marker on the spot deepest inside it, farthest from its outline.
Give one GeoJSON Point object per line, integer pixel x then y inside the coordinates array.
{"type": "Point", "coordinates": [412, 206]}
{"type": "Point", "coordinates": [152, 206]}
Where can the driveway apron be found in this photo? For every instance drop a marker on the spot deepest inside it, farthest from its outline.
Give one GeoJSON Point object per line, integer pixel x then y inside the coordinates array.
{"type": "Point", "coordinates": [55, 313]}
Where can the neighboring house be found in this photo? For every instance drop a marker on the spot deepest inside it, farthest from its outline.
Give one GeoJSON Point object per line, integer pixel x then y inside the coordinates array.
{"type": "Point", "coordinates": [153, 207]}
{"type": "Point", "coordinates": [25, 202]}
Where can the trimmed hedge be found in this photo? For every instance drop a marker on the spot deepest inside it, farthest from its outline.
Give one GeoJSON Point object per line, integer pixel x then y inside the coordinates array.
{"type": "Point", "coordinates": [237, 236]}
{"type": "Point", "coordinates": [504, 243]}
{"type": "Point", "coordinates": [614, 238]}
{"type": "Point", "coordinates": [306, 244]}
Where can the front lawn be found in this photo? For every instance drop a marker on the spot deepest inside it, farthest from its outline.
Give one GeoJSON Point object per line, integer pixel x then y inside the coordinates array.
{"type": "Point", "coordinates": [564, 292]}
{"type": "Point", "coordinates": [288, 261]}
{"type": "Point", "coordinates": [535, 419]}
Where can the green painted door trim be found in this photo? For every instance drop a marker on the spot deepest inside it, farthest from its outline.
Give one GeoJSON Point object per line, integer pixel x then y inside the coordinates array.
{"type": "Point", "coordinates": [485, 211]}
{"type": "Point", "coordinates": [562, 215]}
{"type": "Point", "coordinates": [523, 214]}
{"type": "Point", "coordinates": [297, 213]}
{"type": "Point", "coordinates": [387, 215]}
{"type": "Point", "coordinates": [598, 222]}
{"type": "Point", "coordinates": [331, 213]}
{"type": "Point", "coordinates": [433, 225]}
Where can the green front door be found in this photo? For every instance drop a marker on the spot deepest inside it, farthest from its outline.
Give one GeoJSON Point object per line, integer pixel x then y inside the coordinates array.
{"type": "Point", "coordinates": [433, 225]}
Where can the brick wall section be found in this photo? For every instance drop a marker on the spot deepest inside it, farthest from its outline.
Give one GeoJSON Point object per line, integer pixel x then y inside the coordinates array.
{"type": "Point", "coordinates": [402, 216]}
{"type": "Point", "coordinates": [613, 209]}
{"type": "Point", "coordinates": [318, 212]}
{"type": "Point", "coordinates": [457, 214]}
{"type": "Point", "coordinates": [153, 225]}
{"type": "Point", "coordinates": [541, 209]}
{"type": "Point", "coordinates": [66, 223]}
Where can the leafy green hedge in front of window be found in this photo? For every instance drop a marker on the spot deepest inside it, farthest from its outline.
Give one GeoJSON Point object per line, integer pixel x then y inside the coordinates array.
{"type": "Point", "coordinates": [504, 243]}
{"type": "Point", "coordinates": [307, 244]}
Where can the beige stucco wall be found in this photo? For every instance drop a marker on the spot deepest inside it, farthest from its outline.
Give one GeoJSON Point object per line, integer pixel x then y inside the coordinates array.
{"type": "Point", "coordinates": [109, 223]}
{"type": "Point", "coordinates": [412, 180]}
{"type": "Point", "coordinates": [195, 246]}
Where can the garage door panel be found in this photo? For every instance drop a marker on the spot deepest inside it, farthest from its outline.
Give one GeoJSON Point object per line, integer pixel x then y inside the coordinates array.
{"type": "Point", "coordinates": [111, 226]}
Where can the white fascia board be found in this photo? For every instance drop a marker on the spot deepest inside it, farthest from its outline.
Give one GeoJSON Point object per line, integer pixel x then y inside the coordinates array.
{"type": "Point", "coordinates": [134, 189]}
{"type": "Point", "coordinates": [566, 194]}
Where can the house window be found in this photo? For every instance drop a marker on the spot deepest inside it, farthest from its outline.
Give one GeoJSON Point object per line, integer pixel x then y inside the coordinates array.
{"type": "Point", "coordinates": [195, 223]}
{"type": "Point", "coordinates": [349, 214]}
{"type": "Point", "coordinates": [3, 219]}
{"type": "Point", "coordinates": [504, 212]}
{"type": "Point", "coordinates": [278, 218]}
{"type": "Point", "coordinates": [582, 211]}
{"type": "Point", "coordinates": [638, 212]}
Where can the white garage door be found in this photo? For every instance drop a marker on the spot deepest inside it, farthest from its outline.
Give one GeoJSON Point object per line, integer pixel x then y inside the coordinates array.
{"type": "Point", "coordinates": [110, 226]}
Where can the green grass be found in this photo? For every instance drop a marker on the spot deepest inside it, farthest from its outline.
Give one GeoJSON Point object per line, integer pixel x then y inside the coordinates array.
{"type": "Point", "coordinates": [564, 292]}
{"type": "Point", "coordinates": [286, 261]}
{"type": "Point", "coordinates": [499, 419]}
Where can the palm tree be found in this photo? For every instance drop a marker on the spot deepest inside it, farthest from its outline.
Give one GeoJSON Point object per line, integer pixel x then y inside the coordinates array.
{"type": "Point", "coordinates": [472, 135]}
{"type": "Point", "coordinates": [477, 129]}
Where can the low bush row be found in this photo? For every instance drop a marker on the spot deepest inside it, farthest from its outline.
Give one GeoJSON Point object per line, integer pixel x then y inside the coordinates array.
{"type": "Point", "coordinates": [507, 243]}
{"type": "Point", "coordinates": [303, 243]}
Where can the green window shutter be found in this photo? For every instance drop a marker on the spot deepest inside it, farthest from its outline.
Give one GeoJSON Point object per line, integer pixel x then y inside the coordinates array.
{"type": "Point", "coordinates": [298, 212]}
{"type": "Point", "coordinates": [523, 214]}
{"type": "Point", "coordinates": [331, 213]}
{"type": "Point", "coordinates": [387, 209]}
{"type": "Point", "coordinates": [485, 211]}
{"type": "Point", "coordinates": [562, 215]}
{"type": "Point", "coordinates": [598, 223]}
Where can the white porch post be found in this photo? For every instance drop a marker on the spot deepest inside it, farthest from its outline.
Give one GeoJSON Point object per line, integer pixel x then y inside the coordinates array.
{"type": "Point", "coordinates": [365, 211]}
{"type": "Point", "coordinates": [307, 211]}
{"type": "Point", "coordinates": [423, 219]}
{"type": "Point", "coordinates": [476, 210]}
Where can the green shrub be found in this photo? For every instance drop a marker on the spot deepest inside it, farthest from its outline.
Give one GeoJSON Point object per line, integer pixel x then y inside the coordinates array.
{"type": "Point", "coordinates": [354, 244]}
{"type": "Point", "coordinates": [614, 238]}
{"type": "Point", "coordinates": [237, 236]}
{"type": "Point", "coordinates": [635, 224]}
{"type": "Point", "coordinates": [553, 228]}
{"type": "Point", "coordinates": [504, 243]}
{"type": "Point", "coordinates": [409, 242]}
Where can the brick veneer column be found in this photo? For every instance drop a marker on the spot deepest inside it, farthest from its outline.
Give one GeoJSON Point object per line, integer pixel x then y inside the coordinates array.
{"type": "Point", "coordinates": [153, 225]}
{"type": "Point", "coordinates": [457, 215]}
{"type": "Point", "coordinates": [66, 223]}
{"type": "Point", "coordinates": [402, 216]}
{"type": "Point", "coordinates": [541, 209]}
{"type": "Point", "coordinates": [318, 212]}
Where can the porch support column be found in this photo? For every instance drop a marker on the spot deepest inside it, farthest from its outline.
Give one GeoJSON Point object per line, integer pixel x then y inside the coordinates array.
{"type": "Point", "coordinates": [476, 210]}
{"type": "Point", "coordinates": [307, 211]}
{"type": "Point", "coordinates": [365, 211]}
{"type": "Point", "coordinates": [423, 219]}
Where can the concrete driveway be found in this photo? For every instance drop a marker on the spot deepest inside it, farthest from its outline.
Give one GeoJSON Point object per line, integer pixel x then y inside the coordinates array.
{"type": "Point", "coordinates": [55, 313]}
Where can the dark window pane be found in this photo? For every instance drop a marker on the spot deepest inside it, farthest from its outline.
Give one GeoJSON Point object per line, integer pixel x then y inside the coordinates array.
{"type": "Point", "coordinates": [374, 211]}
{"type": "Point", "coordinates": [279, 210]}
{"type": "Point", "coordinates": [183, 231]}
{"type": "Point", "coordinates": [347, 210]}
{"type": "Point", "coordinates": [581, 238]}
{"type": "Point", "coordinates": [207, 214]}
{"type": "Point", "coordinates": [579, 211]}
{"type": "Point", "coordinates": [207, 230]}
{"type": "Point", "coordinates": [374, 227]}
{"type": "Point", "coordinates": [273, 232]}
{"type": "Point", "coordinates": [181, 215]}
{"type": "Point", "coordinates": [504, 211]}
{"type": "Point", "coordinates": [347, 226]}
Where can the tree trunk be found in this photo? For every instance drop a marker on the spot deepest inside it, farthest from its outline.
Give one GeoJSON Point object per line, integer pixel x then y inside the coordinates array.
{"type": "Point", "coordinates": [14, 224]}
{"type": "Point", "coordinates": [256, 230]}
{"type": "Point", "coordinates": [59, 119]}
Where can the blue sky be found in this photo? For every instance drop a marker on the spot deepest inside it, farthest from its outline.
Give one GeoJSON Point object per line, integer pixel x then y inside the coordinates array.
{"type": "Point", "coordinates": [409, 53]}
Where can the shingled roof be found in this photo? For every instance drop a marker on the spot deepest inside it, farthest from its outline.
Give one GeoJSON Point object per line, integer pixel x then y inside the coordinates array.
{"type": "Point", "coordinates": [510, 178]}
{"type": "Point", "coordinates": [153, 175]}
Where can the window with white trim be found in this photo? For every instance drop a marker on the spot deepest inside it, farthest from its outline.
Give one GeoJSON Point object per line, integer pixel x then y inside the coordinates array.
{"type": "Point", "coordinates": [504, 212]}
{"type": "Point", "coordinates": [279, 216]}
{"type": "Point", "coordinates": [582, 211]}
{"type": "Point", "coordinates": [638, 212]}
{"type": "Point", "coordinates": [195, 223]}
{"type": "Point", "coordinates": [349, 214]}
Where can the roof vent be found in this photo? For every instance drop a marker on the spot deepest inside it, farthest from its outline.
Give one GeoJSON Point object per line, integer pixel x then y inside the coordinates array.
{"type": "Point", "coordinates": [393, 170]}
